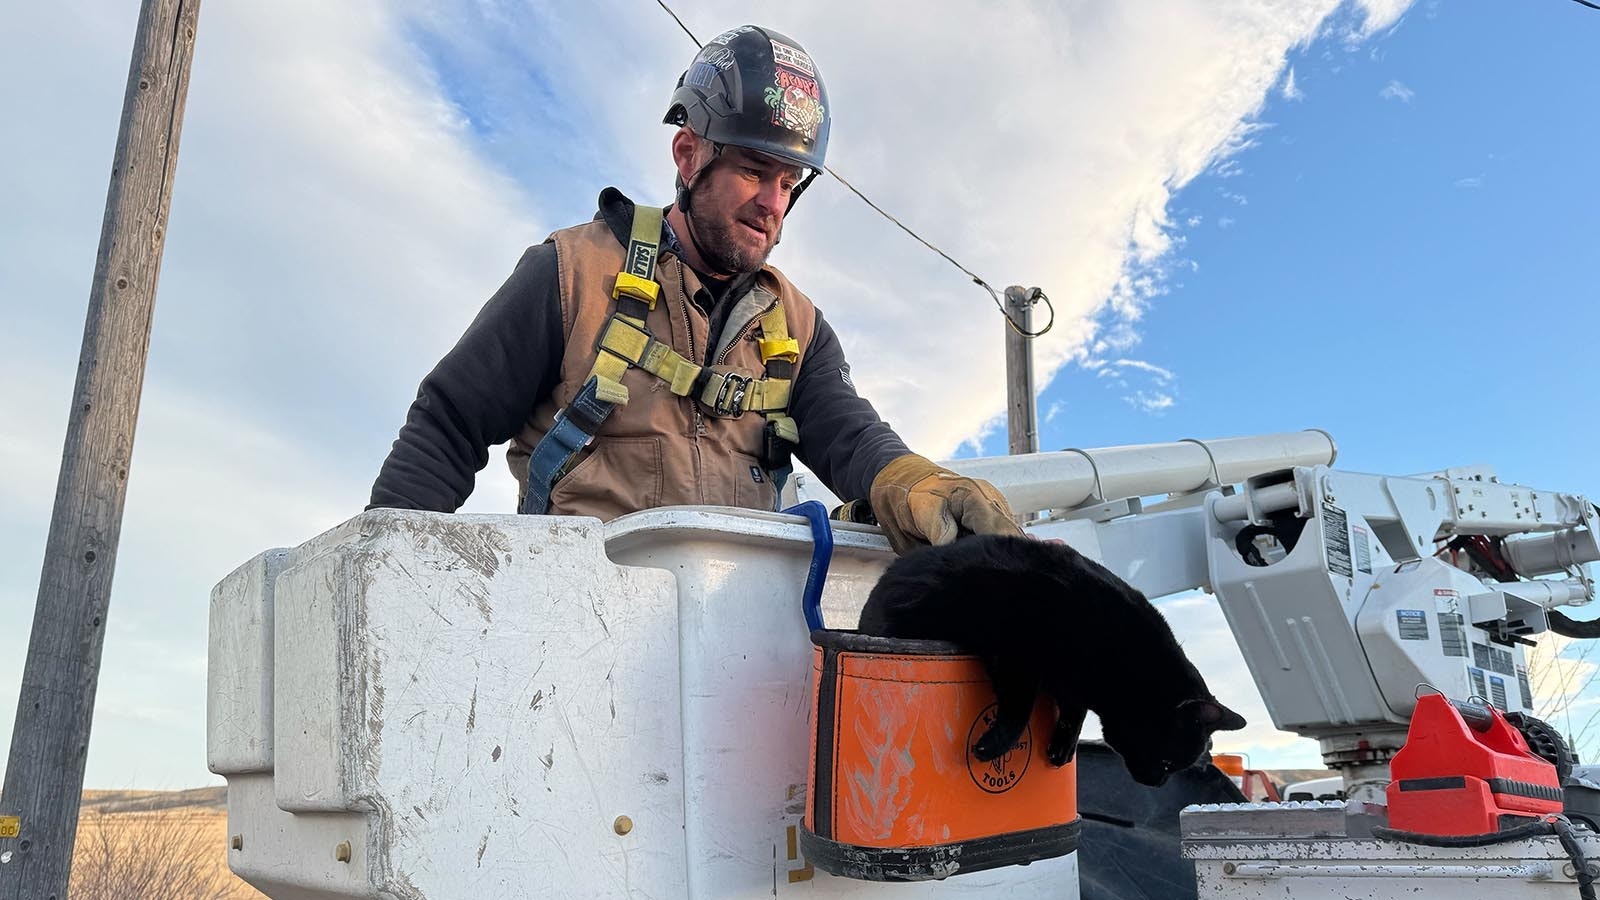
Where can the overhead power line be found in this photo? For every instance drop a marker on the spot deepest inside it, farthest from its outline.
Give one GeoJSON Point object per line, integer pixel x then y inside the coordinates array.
{"type": "Point", "coordinates": [1587, 3]}
{"type": "Point", "coordinates": [680, 24]}
{"type": "Point", "coordinates": [1036, 294]}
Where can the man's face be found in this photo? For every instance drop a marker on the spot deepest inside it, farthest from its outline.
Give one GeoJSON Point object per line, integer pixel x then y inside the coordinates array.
{"type": "Point", "coordinates": [738, 204]}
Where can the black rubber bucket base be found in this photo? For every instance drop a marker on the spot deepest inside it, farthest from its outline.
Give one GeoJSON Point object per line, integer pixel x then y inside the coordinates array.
{"type": "Point", "coordinates": [939, 861]}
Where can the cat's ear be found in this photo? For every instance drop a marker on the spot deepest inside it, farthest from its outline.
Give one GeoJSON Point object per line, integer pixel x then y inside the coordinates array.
{"type": "Point", "coordinates": [1211, 715]}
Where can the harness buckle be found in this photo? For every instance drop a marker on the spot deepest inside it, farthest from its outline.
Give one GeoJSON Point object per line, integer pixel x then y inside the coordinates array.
{"type": "Point", "coordinates": [729, 403]}
{"type": "Point", "coordinates": [561, 416]}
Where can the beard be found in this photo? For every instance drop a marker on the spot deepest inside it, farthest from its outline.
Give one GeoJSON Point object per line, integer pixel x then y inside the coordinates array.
{"type": "Point", "coordinates": [725, 244]}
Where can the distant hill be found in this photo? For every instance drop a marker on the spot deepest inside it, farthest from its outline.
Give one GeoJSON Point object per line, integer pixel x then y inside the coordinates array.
{"type": "Point", "coordinates": [1290, 776]}
{"type": "Point", "coordinates": [206, 798]}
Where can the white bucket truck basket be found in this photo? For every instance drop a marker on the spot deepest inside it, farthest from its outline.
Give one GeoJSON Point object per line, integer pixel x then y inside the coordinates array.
{"type": "Point", "coordinates": [415, 705]}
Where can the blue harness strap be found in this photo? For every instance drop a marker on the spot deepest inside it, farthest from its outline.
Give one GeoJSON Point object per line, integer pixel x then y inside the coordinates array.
{"type": "Point", "coordinates": [780, 477]}
{"type": "Point", "coordinates": [575, 428]}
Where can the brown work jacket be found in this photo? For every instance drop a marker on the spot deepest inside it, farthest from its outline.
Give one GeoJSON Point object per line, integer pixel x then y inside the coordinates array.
{"type": "Point", "coordinates": [659, 449]}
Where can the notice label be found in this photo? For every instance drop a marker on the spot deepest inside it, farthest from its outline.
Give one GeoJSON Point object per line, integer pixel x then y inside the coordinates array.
{"type": "Point", "coordinates": [1336, 540]}
{"type": "Point", "coordinates": [1413, 624]}
{"type": "Point", "coordinates": [1497, 692]}
{"type": "Point", "coordinates": [10, 826]}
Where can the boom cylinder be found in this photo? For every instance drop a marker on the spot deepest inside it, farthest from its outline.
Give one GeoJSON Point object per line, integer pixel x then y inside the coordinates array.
{"type": "Point", "coordinates": [1069, 478]}
{"type": "Point", "coordinates": [1545, 554]}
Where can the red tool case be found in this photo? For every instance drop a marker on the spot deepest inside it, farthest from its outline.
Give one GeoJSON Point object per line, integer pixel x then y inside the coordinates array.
{"type": "Point", "coordinates": [1465, 770]}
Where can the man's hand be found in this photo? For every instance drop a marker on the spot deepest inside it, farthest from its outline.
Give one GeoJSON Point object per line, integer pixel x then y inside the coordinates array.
{"type": "Point", "coordinates": [919, 502]}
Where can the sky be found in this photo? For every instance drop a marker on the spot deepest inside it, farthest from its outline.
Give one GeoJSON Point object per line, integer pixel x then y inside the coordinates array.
{"type": "Point", "coordinates": [1369, 216]}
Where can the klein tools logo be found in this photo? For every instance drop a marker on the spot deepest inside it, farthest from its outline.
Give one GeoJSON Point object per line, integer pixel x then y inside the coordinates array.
{"type": "Point", "coordinates": [1002, 773]}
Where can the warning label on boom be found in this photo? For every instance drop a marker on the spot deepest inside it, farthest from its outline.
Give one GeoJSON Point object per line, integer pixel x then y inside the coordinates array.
{"type": "Point", "coordinates": [1452, 634]}
{"type": "Point", "coordinates": [1363, 550]}
{"type": "Point", "coordinates": [1336, 540]}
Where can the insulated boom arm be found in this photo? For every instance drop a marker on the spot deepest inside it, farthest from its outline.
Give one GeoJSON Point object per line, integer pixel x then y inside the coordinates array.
{"type": "Point", "coordinates": [1344, 590]}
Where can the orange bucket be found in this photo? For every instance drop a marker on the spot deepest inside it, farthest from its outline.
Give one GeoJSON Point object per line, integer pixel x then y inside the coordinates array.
{"type": "Point", "coordinates": [894, 792]}
{"type": "Point", "coordinates": [1229, 763]}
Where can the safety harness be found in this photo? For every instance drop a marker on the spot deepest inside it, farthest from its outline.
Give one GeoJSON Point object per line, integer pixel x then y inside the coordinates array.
{"type": "Point", "coordinates": [723, 391]}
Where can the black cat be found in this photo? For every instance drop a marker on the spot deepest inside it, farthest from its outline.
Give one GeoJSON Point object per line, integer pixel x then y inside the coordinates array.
{"type": "Point", "coordinates": [1043, 616]}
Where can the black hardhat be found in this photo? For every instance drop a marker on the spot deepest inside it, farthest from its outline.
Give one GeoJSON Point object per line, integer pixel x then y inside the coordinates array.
{"type": "Point", "coordinates": [754, 88]}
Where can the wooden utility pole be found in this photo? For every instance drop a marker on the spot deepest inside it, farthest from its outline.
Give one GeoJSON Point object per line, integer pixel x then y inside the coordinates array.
{"type": "Point", "coordinates": [1022, 427]}
{"type": "Point", "coordinates": [44, 773]}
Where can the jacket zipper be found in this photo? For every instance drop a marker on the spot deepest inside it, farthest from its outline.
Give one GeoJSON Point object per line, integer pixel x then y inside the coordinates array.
{"type": "Point", "coordinates": [688, 334]}
{"type": "Point", "coordinates": [745, 330]}
{"type": "Point", "coordinates": [694, 408]}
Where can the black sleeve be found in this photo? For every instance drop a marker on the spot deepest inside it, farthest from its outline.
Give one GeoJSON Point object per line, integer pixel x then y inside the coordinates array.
{"type": "Point", "coordinates": [841, 437]}
{"type": "Point", "coordinates": [480, 394]}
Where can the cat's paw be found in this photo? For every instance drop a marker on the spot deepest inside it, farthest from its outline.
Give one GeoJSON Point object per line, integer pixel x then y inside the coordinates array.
{"type": "Point", "coordinates": [1062, 749]}
{"type": "Point", "coordinates": [995, 742]}
{"type": "Point", "coordinates": [1064, 738]}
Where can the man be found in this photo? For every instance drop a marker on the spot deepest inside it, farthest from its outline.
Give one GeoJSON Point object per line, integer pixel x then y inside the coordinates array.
{"type": "Point", "coordinates": [648, 359]}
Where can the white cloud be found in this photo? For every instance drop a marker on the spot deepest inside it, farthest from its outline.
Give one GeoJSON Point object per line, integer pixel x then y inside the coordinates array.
{"type": "Point", "coordinates": [1054, 410]}
{"type": "Point", "coordinates": [1226, 222]}
{"type": "Point", "coordinates": [1151, 401]}
{"type": "Point", "coordinates": [328, 223]}
{"type": "Point", "coordinates": [342, 209]}
{"type": "Point", "coordinates": [1290, 90]}
{"type": "Point", "coordinates": [1114, 158]}
{"type": "Point", "coordinates": [1472, 181]}
{"type": "Point", "coordinates": [1561, 672]}
{"type": "Point", "coordinates": [1380, 15]}
{"type": "Point", "coordinates": [1394, 90]}
{"type": "Point", "coordinates": [1154, 396]}
{"type": "Point", "coordinates": [1227, 168]}
{"type": "Point", "coordinates": [1163, 376]}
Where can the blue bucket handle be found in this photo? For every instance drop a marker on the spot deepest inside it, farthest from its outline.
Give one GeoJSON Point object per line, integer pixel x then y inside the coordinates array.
{"type": "Point", "coordinates": [821, 555]}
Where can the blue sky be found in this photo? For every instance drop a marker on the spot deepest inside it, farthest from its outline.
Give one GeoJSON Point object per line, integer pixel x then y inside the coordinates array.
{"type": "Point", "coordinates": [1405, 258]}
{"type": "Point", "coordinates": [1398, 252]}
{"type": "Point", "coordinates": [1416, 276]}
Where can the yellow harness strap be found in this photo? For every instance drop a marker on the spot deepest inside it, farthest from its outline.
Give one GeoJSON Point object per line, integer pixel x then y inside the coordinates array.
{"type": "Point", "coordinates": [628, 343]}
{"type": "Point", "coordinates": [721, 390]}
{"type": "Point", "coordinates": [730, 393]}
{"type": "Point", "coordinates": [777, 345]}
{"type": "Point", "coordinates": [635, 291]}
{"type": "Point", "coordinates": [775, 342]}
{"type": "Point", "coordinates": [637, 278]}
{"type": "Point", "coordinates": [786, 428]}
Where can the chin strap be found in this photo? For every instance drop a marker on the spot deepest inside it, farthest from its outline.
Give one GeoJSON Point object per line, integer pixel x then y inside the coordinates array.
{"type": "Point", "coordinates": [685, 203]}
{"type": "Point", "coordinates": [800, 189]}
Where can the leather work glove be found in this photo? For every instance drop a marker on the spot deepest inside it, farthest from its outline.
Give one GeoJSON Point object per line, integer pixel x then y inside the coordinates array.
{"type": "Point", "coordinates": [920, 502]}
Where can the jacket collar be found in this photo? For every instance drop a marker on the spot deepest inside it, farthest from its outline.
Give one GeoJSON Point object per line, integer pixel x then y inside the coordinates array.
{"type": "Point", "coordinates": [617, 212]}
